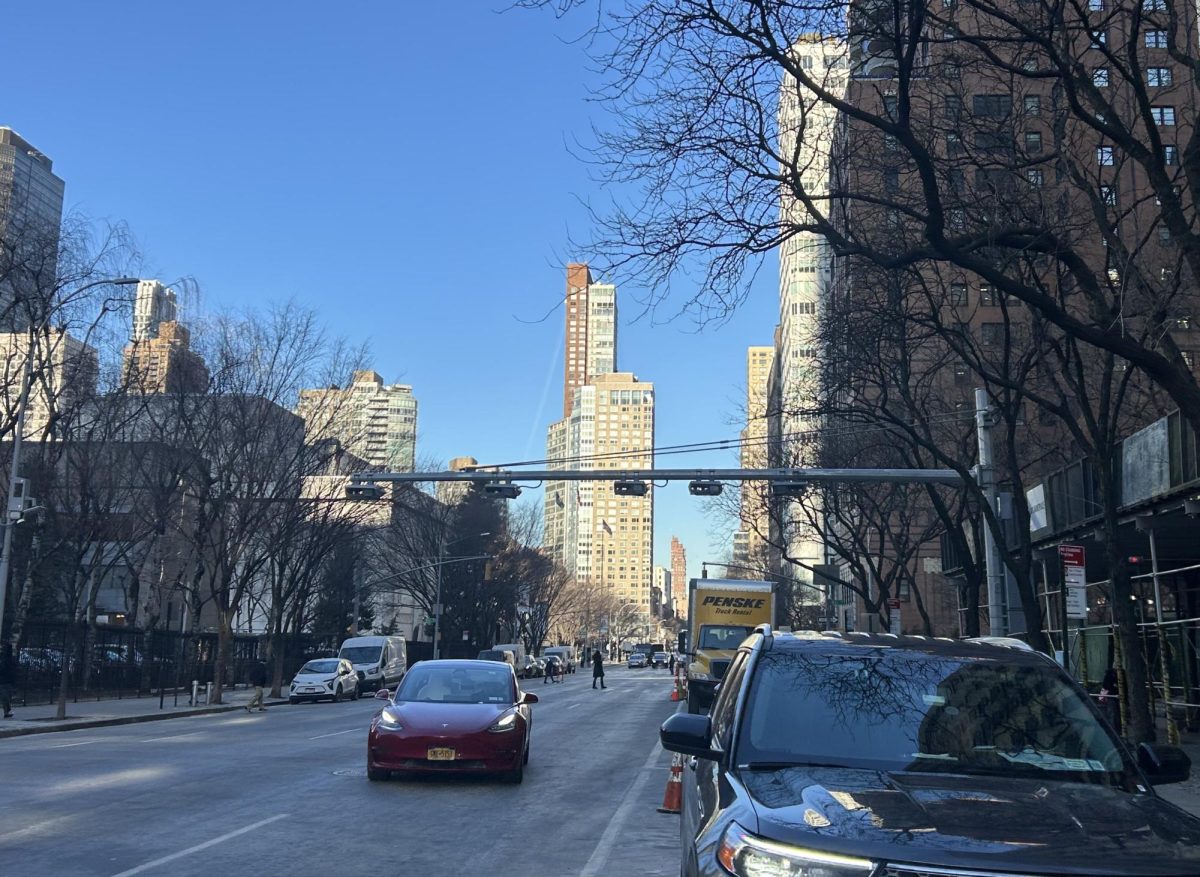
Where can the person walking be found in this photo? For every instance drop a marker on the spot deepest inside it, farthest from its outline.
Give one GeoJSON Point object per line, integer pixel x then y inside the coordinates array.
{"type": "Point", "coordinates": [257, 676]}
{"type": "Point", "coordinates": [8, 679]}
{"type": "Point", "coordinates": [597, 669]}
{"type": "Point", "coordinates": [671, 666]}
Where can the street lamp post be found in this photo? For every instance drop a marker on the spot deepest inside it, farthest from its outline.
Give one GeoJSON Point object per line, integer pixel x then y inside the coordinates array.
{"type": "Point", "coordinates": [437, 603]}
{"type": "Point", "coordinates": [18, 436]}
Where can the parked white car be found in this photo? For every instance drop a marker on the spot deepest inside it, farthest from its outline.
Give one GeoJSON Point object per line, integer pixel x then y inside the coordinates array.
{"type": "Point", "coordinates": [333, 678]}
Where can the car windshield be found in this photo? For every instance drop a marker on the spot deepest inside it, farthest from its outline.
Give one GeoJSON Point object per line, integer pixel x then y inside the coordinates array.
{"type": "Point", "coordinates": [906, 711]}
{"type": "Point", "coordinates": [442, 684]}
{"type": "Point", "coordinates": [723, 636]}
{"type": "Point", "coordinates": [323, 667]}
{"type": "Point", "coordinates": [660, 656]}
{"type": "Point", "coordinates": [361, 654]}
{"type": "Point", "coordinates": [491, 655]}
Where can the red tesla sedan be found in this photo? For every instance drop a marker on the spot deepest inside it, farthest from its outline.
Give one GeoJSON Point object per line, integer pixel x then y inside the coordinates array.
{"type": "Point", "coordinates": [453, 717]}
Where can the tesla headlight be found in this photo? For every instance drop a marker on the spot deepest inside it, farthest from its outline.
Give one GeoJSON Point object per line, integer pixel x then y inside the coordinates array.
{"type": "Point", "coordinates": [506, 722]}
{"type": "Point", "coordinates": [745, 855]}
{"type": "Point", "coordinates": [389, 721]}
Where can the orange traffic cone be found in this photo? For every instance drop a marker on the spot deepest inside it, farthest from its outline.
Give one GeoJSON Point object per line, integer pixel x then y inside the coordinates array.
{"type": "Point", "coordinates": [675, 694]}
{"type": "Point", "coordinates": [673, 796]}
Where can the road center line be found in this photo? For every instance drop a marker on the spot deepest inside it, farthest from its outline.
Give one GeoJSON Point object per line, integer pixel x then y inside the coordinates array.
{"type": "Point", "coordinates": [198, 847]}
{"type": "Point", "coordinates": [572, 706]}
{"type": "Point", "coordinates": [171, 737]}
{"type": "Point", "coordinates": [68, 745]}
{"type": "Point", "coordinates": [599, 858]}
{"type": "Point", "coordinates": [335, 733]}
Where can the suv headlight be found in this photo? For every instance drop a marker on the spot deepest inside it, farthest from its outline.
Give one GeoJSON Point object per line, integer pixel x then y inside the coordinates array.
{"type": "Point", "coordinates": [745, 855]}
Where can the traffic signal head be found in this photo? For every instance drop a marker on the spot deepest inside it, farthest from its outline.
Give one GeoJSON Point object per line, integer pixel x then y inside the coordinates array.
{"type": "Point", "coordinates": [705, 488]}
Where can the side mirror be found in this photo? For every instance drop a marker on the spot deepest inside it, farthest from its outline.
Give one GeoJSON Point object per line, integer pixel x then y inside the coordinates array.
{"type": "Point", "coordinates": [383, 694]}
{"type": "Point", "coordinates": [528, 697]}
{"type": "Point", "coordinates": [1163, 764]}
{"type": "Point", "coordinates": [688, 734]}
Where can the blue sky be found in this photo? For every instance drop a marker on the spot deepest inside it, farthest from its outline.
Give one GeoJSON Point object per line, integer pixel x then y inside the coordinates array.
{"type": "Point", "coordinates": [402, 167]}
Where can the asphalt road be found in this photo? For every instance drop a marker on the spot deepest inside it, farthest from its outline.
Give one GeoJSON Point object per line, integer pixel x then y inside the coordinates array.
{"type": "Point", "coordinates": [285, 792]}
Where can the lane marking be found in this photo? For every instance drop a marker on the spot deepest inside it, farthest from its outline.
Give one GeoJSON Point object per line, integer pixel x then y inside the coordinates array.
{"type": "Point", "coordinates": [599, 858]}
{"type": "Point", "coordinates": [572, 706]}
{"type": "Point", "coordinates": [335, 733]}
{"type": "Point", "coordinates": [68, 745]}
{"type": "Point", "coordinates": [42, 826]}
{"type": "Point", "coordinates": [198, 847]}
{"type": "Point", "coordinates": [171, 737]}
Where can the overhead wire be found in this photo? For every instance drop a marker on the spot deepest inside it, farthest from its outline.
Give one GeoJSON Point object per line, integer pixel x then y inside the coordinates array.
{"type": "Point", "coordinates": [720, 444]}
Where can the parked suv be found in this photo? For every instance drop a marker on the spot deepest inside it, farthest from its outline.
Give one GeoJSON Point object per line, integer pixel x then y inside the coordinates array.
{"type": "Point", "coordinates": [882, 756]}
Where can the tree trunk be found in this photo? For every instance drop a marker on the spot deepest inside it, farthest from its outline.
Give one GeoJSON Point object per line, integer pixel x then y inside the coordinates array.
{"type": "Point", "coordinates": [1139, 727]}
{"type": "Point", "coordinates": [64, 680]}
{"type": "Point", "coordinates": [224, 639]}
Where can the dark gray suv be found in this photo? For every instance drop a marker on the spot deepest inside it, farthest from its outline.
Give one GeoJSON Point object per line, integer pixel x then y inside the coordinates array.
{"type": "Point", "coordinates": [881, 756]}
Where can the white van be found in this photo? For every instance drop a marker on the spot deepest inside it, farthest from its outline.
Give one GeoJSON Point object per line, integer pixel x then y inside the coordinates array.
{"type": "Point", "coordinates": [518, 651]}
{"type": "Point", "coordinates": [380, 661]}
{"type": "Point", "coordinates": [567, 653]}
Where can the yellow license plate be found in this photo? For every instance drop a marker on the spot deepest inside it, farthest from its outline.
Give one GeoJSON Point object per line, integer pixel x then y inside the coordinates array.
{"type": "Point", "coordinates": [441, 755]}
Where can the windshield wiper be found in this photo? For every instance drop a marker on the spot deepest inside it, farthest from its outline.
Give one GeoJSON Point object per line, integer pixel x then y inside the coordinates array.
{"type": "Point", "coordinates": [784, 765]}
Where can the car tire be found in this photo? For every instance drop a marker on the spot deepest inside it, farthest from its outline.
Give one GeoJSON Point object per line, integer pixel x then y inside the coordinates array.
{"type": "Point", "coordinates": [515, 777]}
{"type": "Point", "coordinates": [293, 700]}
{"type": "Point", "coordinates": [337, 695]}
{"type": "Point", "coordinates": [375, 774]}
{"type": "Point", "coordinates": [526, 761]}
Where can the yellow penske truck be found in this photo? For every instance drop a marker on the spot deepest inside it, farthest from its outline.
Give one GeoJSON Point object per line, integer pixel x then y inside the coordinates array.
{"type": "Point", "coordinates": [721, 614]}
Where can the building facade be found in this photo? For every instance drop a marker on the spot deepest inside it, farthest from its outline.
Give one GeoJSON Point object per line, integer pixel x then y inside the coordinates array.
{"type": "Point", "coordinates": [662, 583]}
{"type": "Point", "coordinates": [31, 204]}
{"type": "Point", "coordinates": [153, 305]}
{"type": "Point", "coordinates": [679, 577]}
{"type": "Point", "coordinates": [66, 371]}
{"type": "Point", "coordinates": [164, 362]}
{"type": "Point", "coordinates": [750, 540]}
{"type": "Point", "coordinates": [374, 420]}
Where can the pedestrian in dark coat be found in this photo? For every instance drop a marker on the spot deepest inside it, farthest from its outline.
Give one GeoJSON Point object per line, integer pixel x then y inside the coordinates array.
{"type": "Point", "coordinates": [8, 679]}
{"type": "Point", "coordinates": [597, 669]}
{"type": "Point", "coordinates": [257, 676]}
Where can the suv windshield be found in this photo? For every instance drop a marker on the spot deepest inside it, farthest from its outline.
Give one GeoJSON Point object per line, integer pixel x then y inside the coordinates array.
{"type": "Point", "coordinates": [903, 710]}
{"type": "Point", "coordinates": [457, 685]}
{"type": "Point", "coordinates": [327, 666]}
{"type": "Point", "coordinates": [723, 636]}
{"type": "Point", "coordinates": [361, 654]}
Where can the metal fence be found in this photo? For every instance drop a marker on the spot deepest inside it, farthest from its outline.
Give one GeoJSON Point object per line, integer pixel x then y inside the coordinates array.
{"type": "Point", "coordinates": [106, 662]}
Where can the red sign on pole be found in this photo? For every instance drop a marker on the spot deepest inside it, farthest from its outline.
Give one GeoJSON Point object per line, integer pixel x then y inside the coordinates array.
{"type": "Point", "coordinates": [1072, 555]}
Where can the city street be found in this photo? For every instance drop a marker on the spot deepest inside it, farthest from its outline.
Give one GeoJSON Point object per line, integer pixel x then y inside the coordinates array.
{"type": "Point", "coordinates": [285, 792]}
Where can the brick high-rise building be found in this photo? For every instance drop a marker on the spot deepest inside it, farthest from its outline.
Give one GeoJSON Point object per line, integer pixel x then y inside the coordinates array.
{"type": "Point", "coordinates": [165, 363]}
{"type": "Point", "coordinates": [679, 576]}
{"type": "Point", "coordinates": [591, 333]}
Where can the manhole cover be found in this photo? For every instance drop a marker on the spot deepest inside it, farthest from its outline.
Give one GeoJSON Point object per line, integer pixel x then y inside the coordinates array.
{"type": "Point", "coordinates": [351, 772]}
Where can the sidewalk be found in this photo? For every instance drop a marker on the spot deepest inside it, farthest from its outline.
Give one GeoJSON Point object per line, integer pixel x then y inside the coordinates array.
{"type": "Point", "coordinates": [1187, 794]}
{"type": "Point", "coordinates": [125, 711]}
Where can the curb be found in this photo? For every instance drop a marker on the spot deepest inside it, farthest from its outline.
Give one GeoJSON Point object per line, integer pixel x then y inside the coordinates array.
{"type": "Point", "coordinates": [70, 725]}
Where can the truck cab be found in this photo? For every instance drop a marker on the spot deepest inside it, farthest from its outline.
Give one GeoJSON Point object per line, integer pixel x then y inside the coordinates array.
{"type": "Point", "coordinates": [722, 613]}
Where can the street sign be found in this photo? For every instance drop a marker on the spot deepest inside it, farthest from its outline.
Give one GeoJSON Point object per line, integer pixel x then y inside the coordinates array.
{"type": "Point", "coordinates": [1074, 580]}
{"type": "Point", "coordinates": [894, 615]}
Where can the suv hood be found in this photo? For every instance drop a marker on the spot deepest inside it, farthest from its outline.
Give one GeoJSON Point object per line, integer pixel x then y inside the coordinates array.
{"type": "Point", "coordinates": [976, 823]}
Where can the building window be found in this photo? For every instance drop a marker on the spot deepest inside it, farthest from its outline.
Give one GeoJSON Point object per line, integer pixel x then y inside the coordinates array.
{"type": "Point", "coordinates": [1183, 322]}
{"type": "Point", "coordinates": [1163, 116]}
{"type": "Point", "coordinates": [1156, 39]}
{"type": "Point", "coordinates": [806, 62]}
{"type": "Point", "coordinates": [1158, 76]}
{"type": "Point", "coordinates": [1171, 155]}
{"type": "Point", "coordinates": [890, 105]}
{"type": "Point", "coordinates": [1033, 104]}
{"type": "Point", "coordinates": [890, 143]}
{"type": "Point", "coordinates": [954, 145]}
{"type": "Point", "coordinates": [1108, 194]}
{"type": "Point", "coordinates": [1033, 141]}
{"type": "Point", "coordinates": [1035, 177]}
{"type": "Point", "coordinates": [1154, 5]}
{"type": "Point", "coordinates": [958, 293]}
{"type": "Point", "coordinates": [1096, 5]}
{"type": "Point", "coordinates": [991, 334]}
{"type": "Point", "coordinates": [991, 106]}
{"type": "Point", "coordinates": [987, 295]}
{"type": "Point", "coordinates": [952, 109]}
{"type": "Point", "coordinates": [1164, 235]}
{"type": "Point", "coordinates": [1104, 156]}
{"type": "Point", "coordinates": [956, 219]}
{"type": "Point", "coordinates": [961, 373]}
{"type": "Point", "coordinates": [1099, 39]}
{"type": "Point", "coordinates": [891, 182]}
{"type": "Point", "coordinates": [1100, 77]}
